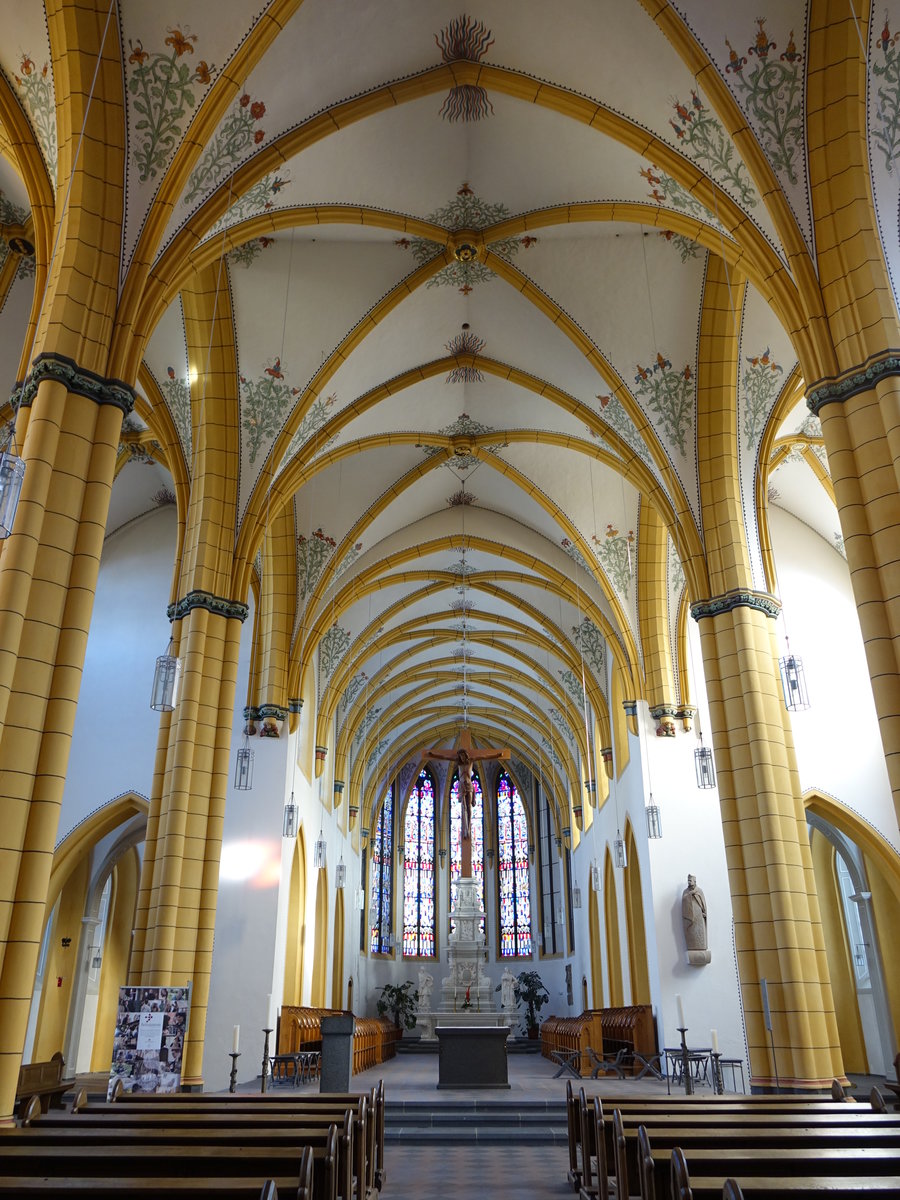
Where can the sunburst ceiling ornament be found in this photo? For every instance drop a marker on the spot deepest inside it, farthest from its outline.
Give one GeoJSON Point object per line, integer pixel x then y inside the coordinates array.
{"type": "Point", "coordinates": [467, 39]}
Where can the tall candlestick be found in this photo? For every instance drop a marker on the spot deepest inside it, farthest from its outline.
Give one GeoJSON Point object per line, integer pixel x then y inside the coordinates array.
{"type": "Point", "coordinates": [714, 1040]}
{"type": "Point", "coordinates": [682, 1024]}
{"type": "Point", "coordinates": [235, 1039]}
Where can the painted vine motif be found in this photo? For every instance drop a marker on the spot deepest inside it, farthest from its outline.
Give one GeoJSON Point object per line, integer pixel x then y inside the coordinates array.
{"type": "Point", "coordinates": [352, 690]}
{"type": "Point", "coordinates": [670, 394]}
{"type": "Point", "coordinates": [333, 644]}
{"type": "Point", "coordinates": [589, 643]}
{"type": "Point", "coordinates": [614, 552]}
{"type": "Point", "coordinates": [315, 418]}
{"type": "Point", "coordinates": [887, 136]}
{"type": "Point", "coordinates": [465, 211]}
{"type": "Point", "coordinates": [259, 199]}
{"type": "Point", "coordinates": [36, 89]}
{"type": "Point", "coordinates": [465, 343]}
{"type": "Point", "coordinates": [685, 246]}
{"type": "Point", "coordinates": [552, 755]}
{"type": "Point", "coordinates": [575, 554]}
{"type": "Point", "coordinates": [615, 416]}
{"type": "Point", "coordinates": [676, 571]}
{"type": "Point", "coordinates": [772, 88]}
{"type": "Point", "coordinates": [264, 405]}
{"type": "Point", "coordinates": [163, 86]}
{"type": "Point", "coordinates": [467, 39]}
{"type": "Point", "coordinates": [574, 687]}
{"type": "Point", "coordinates": [376, 753]}
{"type": "Point", "coordinates": [559, 720]}
{"type": "Point", "coordinates": [349, 559]}
{"type": "Point", "coordinates": [700, 131]}
{"type": "Point", "coordinates": [249, 252]}
{"type": "Point", "coordinates": [372, 715]}
{"type": "Point", "coordinates": [461, 426]}
{"type": "Point", "coordinates": [312, 554]}
{"type": "Point", "coordinates": [761, 384]}
{"type": "Point", "coordinates": [666, 190]}
{"type": "Point", "coordinates": [178, 397]}
{"type": "Point", "coordinates": [238, 132]}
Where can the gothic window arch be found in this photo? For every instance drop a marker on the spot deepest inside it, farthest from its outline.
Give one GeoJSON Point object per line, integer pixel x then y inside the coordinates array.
{"type": "Point", "coordinates": [477, 840]}
{"type": "Point", "coordinates": [512, 871]}
{"type": "Point", "coordinates": [381, 897]}
{"type": "Point", "coordinates": [418, 870]}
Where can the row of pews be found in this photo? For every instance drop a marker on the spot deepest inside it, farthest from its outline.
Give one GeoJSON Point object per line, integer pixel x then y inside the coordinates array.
{"type": "Point", "coordinates": [624, 1036]}
{"type": "Point", "coordinates": [300, 1030]}
{"type": "Point", "coordinates": [751, 1147]}
{"type": "Point", "coordinates": [244, 1147]}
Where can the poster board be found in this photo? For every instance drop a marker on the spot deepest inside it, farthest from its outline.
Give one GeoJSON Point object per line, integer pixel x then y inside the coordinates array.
{"type": "Point", "coordinates": [151, 1029]}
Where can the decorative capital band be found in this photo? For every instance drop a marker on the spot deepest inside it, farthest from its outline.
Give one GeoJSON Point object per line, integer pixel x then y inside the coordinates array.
{"type": "Point", "coordinates": [338, 786]}
{"type": "Point", "coordinates": [738, 598]}
{"type": "Point", "coordinates": [81, 381]}
{"type": "Point", "coordinates": [630, 707]}
{"type": "Point", "coordinates": [251, 713]}
{"type": "Point", "coordinates": [295, 705]}
{"type": "Point", "coordinates": [273, 710]}
{"type": "Point", "coordinates": [838, 388]}
{"type": "Point", "coordinates": [663, 710]}
{"type": "Point", "coordinates": [230, 609]}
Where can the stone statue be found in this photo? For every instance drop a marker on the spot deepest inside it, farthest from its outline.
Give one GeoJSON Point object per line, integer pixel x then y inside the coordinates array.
{"type": "Point", "coordinates": [426, 985]}
{"type": "Point", "coordinates": [693, 915]}
{"type": "Point", "coordinates": [465, 755]}
{"type": "Point", "coordinates": [507, 990]}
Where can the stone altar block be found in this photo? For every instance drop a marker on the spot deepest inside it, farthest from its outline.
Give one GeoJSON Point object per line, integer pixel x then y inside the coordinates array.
{"type": "Point", "coordinates": [472, 1057]}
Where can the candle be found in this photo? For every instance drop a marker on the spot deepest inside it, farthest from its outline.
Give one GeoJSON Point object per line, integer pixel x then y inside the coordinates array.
{"type": "Point", "coordinates": [682, 1024]}
{"type": "Point", "coordinates": [714, 1040]}
{"type": "Point", "coordinates": [235, 1039]}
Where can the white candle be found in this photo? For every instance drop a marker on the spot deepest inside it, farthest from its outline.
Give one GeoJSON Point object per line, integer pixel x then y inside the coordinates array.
{"type": "Point", "coordinates": [714, 1040]}
{"type": "Point", "coordinates": [682, 1024]}
{"type": "Point", "coordinates": [235, 1039]}
{"type": "Point", "coordinates": [268, 1024]}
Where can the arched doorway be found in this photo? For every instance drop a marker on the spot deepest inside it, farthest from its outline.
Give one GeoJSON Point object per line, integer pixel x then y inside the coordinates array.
{"type": "Point", "coordinates": [858, 882]}
{"type": "Point", "coordinates": [320, 955]}
{"type": "Point", "coordinates": [337, 957]}
{"type": "Point", "coordinates": [596, 948]}
{"type": "Point", "coordinates": [634, 922]}
{"type": "Point", "coordinates": [296, 927]}
{"type": "Point", "coordinates": [613, 946]}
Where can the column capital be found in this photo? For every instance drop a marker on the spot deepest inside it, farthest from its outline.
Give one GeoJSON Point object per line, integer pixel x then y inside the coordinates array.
{"type": "Point", "coordinates": [837, 388]}
{"type": "Point", "coordinates": [230, 609]}
{"type": "Point", "coordinates": [736, 598]}
{"type": "Point", "coordinates": [80, 380]}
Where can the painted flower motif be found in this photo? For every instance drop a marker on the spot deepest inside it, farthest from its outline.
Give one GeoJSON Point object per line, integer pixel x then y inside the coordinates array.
{"type": "Point", "coordinates": [258, 136]}
{"type": "Point", "coordinates": [736, 62]}
{"type": "Point", "coordinates": [202, 74]}
{"type": "Point", "coordinates": [762, 45]}
{"type": "Point", "coordinates": [257, 110]}
{"type": "Point", "coordinates": [180, 42]}
{"type": "Point", "coordinates": [790, 55]}
{"type": "Point", "coordinates": [27, 66]}
{"type": "Point", "coordinates": [245, 100]}
{"type": "Point", "coordinates": [138, 55]}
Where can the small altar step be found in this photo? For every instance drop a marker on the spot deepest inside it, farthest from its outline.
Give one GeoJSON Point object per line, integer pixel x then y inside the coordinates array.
{"type": "Point", "coordinates": [456, 1122]}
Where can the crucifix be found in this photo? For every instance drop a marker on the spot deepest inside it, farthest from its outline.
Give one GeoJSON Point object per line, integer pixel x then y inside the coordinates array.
{"type": "Point", "coordinates": [465, 756]}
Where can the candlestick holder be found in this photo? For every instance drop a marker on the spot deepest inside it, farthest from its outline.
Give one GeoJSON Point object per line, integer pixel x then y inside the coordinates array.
{"type": "Point", "coordinates": [686, 1063]}
{"type": "Point", "coordinates": [264, 1082]}
{"type": "Point", "coordinates": [718, 1077]}
{"type": "Point", "coordinates": [232, 1083]}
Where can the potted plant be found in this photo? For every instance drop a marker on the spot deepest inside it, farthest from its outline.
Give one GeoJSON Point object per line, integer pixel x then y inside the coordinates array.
{"type": "Point", "coordinates": [530, 990]}
{"type": "Point", "coordinates": [401, 1002]}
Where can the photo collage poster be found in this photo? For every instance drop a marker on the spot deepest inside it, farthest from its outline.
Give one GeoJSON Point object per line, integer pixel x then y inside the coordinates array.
{"type": "Point", "coordinates": [151, 1028]}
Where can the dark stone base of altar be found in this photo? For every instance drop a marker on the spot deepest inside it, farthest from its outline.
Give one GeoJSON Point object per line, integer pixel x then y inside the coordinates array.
{"type": "Point", "coordinates": [473, 1057]}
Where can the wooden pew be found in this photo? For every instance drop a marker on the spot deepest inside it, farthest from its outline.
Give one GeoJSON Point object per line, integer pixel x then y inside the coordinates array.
{"type": "Point", "coordinates": [685, 1185]}
{"type": "Point", "coordinates": [44, 1080]}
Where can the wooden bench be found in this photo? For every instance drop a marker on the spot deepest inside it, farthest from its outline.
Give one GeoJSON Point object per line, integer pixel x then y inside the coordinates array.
{"type": "Point", "coordinates": [44, 1080]}
{"type": "Point", "coordinates": [684, 1184]}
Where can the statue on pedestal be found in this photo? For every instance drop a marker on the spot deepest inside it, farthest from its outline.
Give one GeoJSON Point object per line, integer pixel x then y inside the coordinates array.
{"type": "Point", "coordinates": [507, 990]}
{"type": "Point", "coordinates": [426, 985]}
{"type": "Point", "coordinates": [693, 915]}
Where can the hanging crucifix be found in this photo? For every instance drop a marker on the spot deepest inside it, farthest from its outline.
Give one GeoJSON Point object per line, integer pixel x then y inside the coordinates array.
{"type": "Point", "coordinates": [465, 756]}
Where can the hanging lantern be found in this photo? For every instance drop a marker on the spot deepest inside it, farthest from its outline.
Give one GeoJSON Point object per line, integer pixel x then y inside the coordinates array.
{"type": "Point", "coordinates": [576, 896]}
{"type": "Point", "coordinates": [12, 473]}
{"type": "Point", "coordinates": [704, 766]}
{"type": "Point", "coordinates": [340, 874]}
{"type": "Point", "coordinates": [489, 854]}
{"type": "Point", "coordinates": [164, 694]}
{"type": "Point", "coordinates": [360, 899]}
{"type": "Point", "coordinates": [320, 855]}
{"type": "Point", "coordinates": [243, 768]}
{"type": "Point", "coordinates": [97, 959]}
{"type": "Point", "coordinates": [793, 682]}
{"type": "Point", "coordinates": [596, 877]}
{"type": "Point", "coordinates": [619, 850]}
{"type": "Point", "coordinates": [654, 822]}
{"type": "Point", "coordinates": [291, 821]}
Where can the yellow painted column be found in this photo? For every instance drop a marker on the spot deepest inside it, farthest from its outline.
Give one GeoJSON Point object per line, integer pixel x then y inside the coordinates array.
{"type": "Point", "coordinates": [278, 604]}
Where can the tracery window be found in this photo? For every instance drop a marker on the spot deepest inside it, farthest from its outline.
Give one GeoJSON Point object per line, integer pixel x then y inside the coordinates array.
{"type": "Point", "coordinates": [382, 894]}
{"type": "Point", "coordinates": [512, 872]}
{"type": "Point", "coordinates": [418, 870]}
{"type": "Point", "coordinates": [477, 841]}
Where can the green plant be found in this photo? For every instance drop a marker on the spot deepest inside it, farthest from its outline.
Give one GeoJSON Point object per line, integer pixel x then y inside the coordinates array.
{"type": "Point", "coordinates": [530, 991]}
{"type": "Point", "coordinates": [400, 1002]}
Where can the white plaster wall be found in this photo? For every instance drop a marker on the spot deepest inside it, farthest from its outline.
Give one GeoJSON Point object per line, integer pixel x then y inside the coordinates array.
{"type": "Point", "coordinates": [837, 740]}
{"type": "Point", "coordinates": [115, 734]}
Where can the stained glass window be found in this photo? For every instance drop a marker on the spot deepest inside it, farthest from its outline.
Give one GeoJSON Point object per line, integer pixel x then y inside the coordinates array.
{"type": "Point", "coordinates": [418, 870]}
{"type": "Point", "coordinates": [382, 895]}
{"type": "Point", "coordinates": [477, 841]}
{"type": "Point", "coordinates": [512, 871]}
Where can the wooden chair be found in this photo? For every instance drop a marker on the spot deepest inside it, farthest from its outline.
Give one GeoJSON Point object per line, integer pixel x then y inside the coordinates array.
{"type": "Point", "coordinates": [645, 1166]}
{"type": "Point", "coordinates": [681, 1180]}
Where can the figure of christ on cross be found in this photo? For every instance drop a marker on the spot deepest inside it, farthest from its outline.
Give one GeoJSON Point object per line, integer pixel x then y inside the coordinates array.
{"type": "Point", "coordinates": [465, 756]}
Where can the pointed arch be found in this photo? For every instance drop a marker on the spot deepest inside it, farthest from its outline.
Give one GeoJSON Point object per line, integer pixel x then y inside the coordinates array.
{"type": "Point", "coordinates": [337, 954]}
{"type": "Point", "coordinates": [634, 922]}
{"type": "Point", "coordinates": [381, 888]}
{"type": "Point", "coordinates": [479, 822]}
{"type": "Point", "coordinates": [296, 927]}
{"type": "Point", "coordinates": [613, 945]}
{"type": "Point", "coordinates": [596, 948]}
{"type": "Point", "coordinates": [320, 954]}
{"type": "Point", "coordinates": [419, 878]}
{"type": "Point", "coordinates": [513, 876]}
